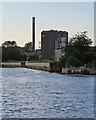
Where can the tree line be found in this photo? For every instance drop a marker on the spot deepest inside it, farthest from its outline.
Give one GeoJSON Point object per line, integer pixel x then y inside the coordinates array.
{"type": "Point", "coordinates": [12, 52]}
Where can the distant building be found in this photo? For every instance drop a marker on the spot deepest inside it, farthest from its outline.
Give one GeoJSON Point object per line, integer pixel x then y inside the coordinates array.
{"type": "Point", "coordinates": [58, 54]}
{"type": "Point", "coordinates": [52, 40]}
{"type": "Point", "coordinates": [38, 52]}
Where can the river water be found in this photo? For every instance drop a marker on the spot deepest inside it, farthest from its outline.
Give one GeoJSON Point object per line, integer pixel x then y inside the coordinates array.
{"type": "Point", "coordinates": [28, 93]}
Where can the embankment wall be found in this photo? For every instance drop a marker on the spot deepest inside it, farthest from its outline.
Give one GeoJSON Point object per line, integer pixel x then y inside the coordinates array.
{"type": "Point", "coordinates": [79, 70]}
{"type": "Point", "coordinates": [11, 65]}
{"type": "Point", "coordinates": [52, 67]}
{"type": "Point", "coordinates": [38, 66]}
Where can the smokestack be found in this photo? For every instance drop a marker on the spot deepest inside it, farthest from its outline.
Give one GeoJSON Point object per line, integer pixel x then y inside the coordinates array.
{"type": "Point", "coordinates": [33, 33]}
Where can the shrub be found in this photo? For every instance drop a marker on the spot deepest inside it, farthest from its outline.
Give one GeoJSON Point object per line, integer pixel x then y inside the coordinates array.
{"type": "Point", "coordinates": [85, 72]}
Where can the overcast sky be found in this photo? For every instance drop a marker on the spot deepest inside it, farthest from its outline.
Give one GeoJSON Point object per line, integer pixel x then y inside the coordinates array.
{"type": "Point", "coordinates": [68, 16]}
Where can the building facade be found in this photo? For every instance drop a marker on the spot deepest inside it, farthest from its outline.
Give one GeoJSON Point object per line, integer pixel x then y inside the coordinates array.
{"type": "Point", "coordinates": [52, 40]}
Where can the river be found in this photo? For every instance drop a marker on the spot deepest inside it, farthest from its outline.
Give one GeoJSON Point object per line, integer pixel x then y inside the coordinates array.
{"type": "Point", "coordinates": [28, 93]}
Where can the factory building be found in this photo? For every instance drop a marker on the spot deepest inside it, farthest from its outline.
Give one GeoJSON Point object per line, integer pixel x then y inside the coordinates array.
{"type": "Point", "coordinates": [51, 42]}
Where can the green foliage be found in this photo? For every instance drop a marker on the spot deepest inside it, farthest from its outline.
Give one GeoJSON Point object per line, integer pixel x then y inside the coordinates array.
{"type": "Point", "coordinates": [77, 52]}
{"type": "Point", "coordinates": [11, 52]}
{"type": "Point", "coordinates": [9, 44]}
{"type": "Point", "coordinates": [85, 72]}
{"type": "Point", "coordinates": [73, 61]}
{"type": "Point", "coordinates": [80, 39]}
{"type": "Point", "coordinates": [93, 57]}
{"type": "Point", "coordinates": [28, 47]}
{"type": "Point", "coordinates": [69, 72]}
{"type": "Point", "coordinates": [33, 57]}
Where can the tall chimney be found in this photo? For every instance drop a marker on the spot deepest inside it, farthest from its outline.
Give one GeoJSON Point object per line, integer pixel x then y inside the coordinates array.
{"type": "Point", "coordinates": [33, 33]}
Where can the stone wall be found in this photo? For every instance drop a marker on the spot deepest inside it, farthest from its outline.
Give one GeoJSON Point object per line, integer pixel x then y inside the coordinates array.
{"type": "Point", "coordinates": [79, 70]}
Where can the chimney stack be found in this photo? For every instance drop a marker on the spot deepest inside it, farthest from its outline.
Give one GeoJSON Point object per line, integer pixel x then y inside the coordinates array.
{"type": "Point", "coordinates": [33, 33]}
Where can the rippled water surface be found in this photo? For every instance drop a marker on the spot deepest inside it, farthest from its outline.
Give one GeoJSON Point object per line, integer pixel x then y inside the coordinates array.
{"type": "Point", "coordinates": [31, 93]}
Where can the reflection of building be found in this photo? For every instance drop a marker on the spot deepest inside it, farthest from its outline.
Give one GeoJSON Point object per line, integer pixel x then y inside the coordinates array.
{"type": "Point", "coordinates": [52, 40]}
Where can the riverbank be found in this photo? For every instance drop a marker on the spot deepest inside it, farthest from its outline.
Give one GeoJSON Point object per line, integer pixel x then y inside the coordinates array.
{"type": "Point", "coordinates": [51, 67]}
{"type": "Point", "coordinates": [79, 70]}
{"type": "Point", "coordinates": [45, 66]}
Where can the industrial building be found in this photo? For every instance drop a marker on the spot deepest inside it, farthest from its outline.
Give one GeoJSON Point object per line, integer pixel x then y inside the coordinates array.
{"type": "Point", "coordinates": [51, 42]}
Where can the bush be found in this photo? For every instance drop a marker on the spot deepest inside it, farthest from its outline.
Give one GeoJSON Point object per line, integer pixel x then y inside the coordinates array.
{"type": "Point", "coordinates": [33, 57]}
{"type": "Point", "coordinates": [85, 72]}
{"type": "Point", "coordinates": [69, 71]}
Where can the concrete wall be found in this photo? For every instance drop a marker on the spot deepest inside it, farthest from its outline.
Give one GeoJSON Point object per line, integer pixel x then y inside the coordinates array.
{"type": "Point", "coordinates": [58, 54]}
{"type": "Point", "coordinates": [52, 67]}
{"type": "Point", "coordinates": [38, 66]}
{"type": "Point", "coordinates": [11, 65]}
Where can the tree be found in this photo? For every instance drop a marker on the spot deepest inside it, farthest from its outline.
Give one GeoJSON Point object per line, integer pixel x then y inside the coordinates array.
{"type": "Point", "coordinates": [77, 52]}
{"type": "Point", "coordinates": [28, 47]}
{"type": "Point", "coordinates": [93, 61]}
{"type": "Point", "coordinates": [9, 44]}
{"type": "Point", "coordinates": [33, 57]}
{"type": "Point", "coordinates": [10, 51]}
{"type": "Point", "coordinates": [81, 39]}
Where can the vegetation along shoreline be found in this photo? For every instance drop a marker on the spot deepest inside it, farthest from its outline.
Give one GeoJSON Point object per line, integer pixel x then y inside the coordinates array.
{"type": "Point", "coordinates": [79, 57]}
